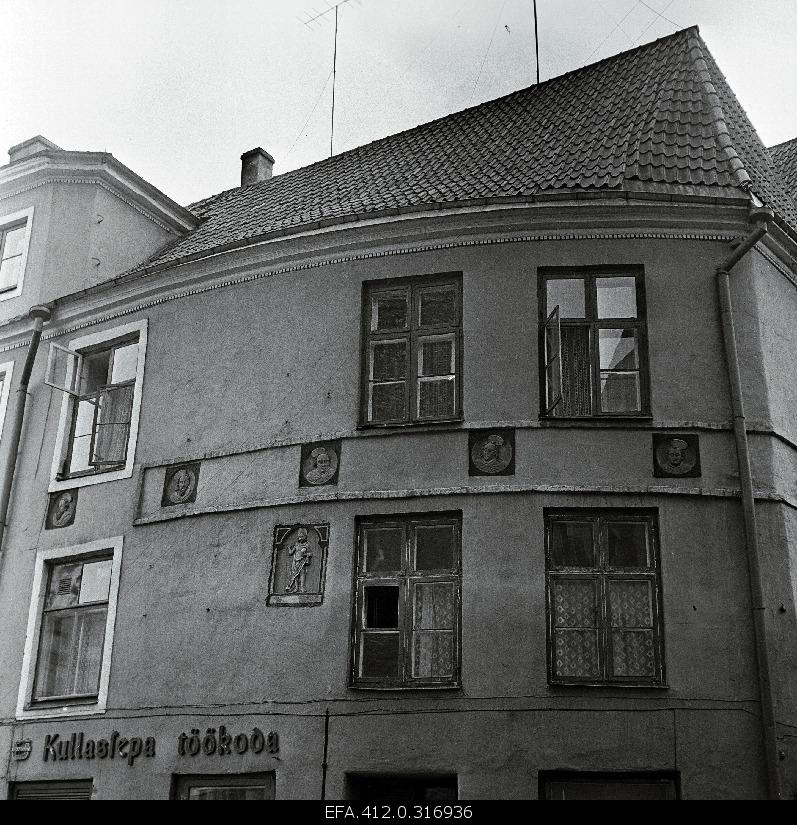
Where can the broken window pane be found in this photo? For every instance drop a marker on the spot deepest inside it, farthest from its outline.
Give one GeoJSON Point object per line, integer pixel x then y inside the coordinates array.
{"type": "Point", "coordinates": [381, 607]}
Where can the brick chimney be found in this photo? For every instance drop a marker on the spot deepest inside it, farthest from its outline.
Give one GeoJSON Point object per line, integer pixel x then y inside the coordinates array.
{"type": "Point", "coordinates": [256, 166]}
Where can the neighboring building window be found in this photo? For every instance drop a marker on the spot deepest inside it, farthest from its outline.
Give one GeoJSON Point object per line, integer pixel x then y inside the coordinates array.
{"type": "Point", "coordinates": [225, 787]}
{"type": "Point", "coordinates": [597, 786]}
{"type": "Point", "coordinates": [593, 344]}
{"type": "Point", "coordinates": [6, 371]}
{"type": "Point", "coordinates": [101, 376]}
{"type": "Point", "coordinates": [79, 789]}
{"type": "Point", "coordinates": [14, 241]}
{"type": "Point", "coordinates": [603, 595]}
{"type": "Point", "coordinates": [412, 350]}
{"type": "Point", "coordinates": [402, 787]}
{"type": "Point", "coordinates": [406, 631]}
{"type": "Point", "coordinates": [70, 629]}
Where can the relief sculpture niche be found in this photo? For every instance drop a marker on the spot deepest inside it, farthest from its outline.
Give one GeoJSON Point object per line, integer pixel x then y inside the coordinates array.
{"type": "Point", "coordinates": [61, 510]}
{"type": "Point", "coordinates": [319, 464]}
{"type": "Point", "coordinates": [491, 452]}
{"type": "Point", "coordinates": [676, 456]}
{"type": "Point", "coordinates": [180, 484]}
{"type": "Point", "coordinates": [298, 565]}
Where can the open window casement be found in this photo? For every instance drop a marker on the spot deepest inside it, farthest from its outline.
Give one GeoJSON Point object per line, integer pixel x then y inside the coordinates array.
{"type": "Point", "coordinates": [553, 362]}
{"type": "Point", "coordinates": [111, 430]}
{"type": "Point", "coordinates": [63, 369]}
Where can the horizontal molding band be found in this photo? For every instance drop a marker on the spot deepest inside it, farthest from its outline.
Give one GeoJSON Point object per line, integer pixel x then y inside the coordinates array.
{"type": "Point", "coordinates": [242, 448]}
{"type": "Point", "coordinates": [365, 256]}
{"type": "Point", "coordinates": [310, 496]}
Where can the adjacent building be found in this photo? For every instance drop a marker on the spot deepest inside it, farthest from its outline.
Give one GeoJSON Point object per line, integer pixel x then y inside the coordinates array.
{"type": "Point", "coordinates": [419, 472]}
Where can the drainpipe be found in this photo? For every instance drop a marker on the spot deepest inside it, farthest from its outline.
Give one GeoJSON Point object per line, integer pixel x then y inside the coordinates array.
{"type": "Point", "coordinates": [40, 314]}
{"type": "Point", "coordinates": [759, 216]}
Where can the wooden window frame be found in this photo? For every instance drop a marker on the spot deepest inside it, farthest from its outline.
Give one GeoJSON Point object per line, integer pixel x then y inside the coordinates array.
{"type": "Point", "coordinates": [411, 333]}
{"type": "Point", "coordinates": [83, 608]}
{"type": "Point", "coordinates": [94, 398]}
{"type": "Point", "coordinates": [85, 345]}
{"type": "Point", "coordinates": [182, 783]}
{"type": "Point", "coordinates": [405, 579]}
{"type": "Point", "coordinates": [27, 707]}
{"type": "Point", "coordinates": [7, 223]}
{"type": "Point", "coordinates": [670, 779]}
{"type": "Point", "coordinates": [601, 572]}
{"type": "Point", "coordinates": [590, 275]}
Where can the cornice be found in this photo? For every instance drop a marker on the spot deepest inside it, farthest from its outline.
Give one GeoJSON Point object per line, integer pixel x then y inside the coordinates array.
{"type": "Point", "coordinates": [99, 169]}
{"type": "Point", "coordinates": [94, 315]}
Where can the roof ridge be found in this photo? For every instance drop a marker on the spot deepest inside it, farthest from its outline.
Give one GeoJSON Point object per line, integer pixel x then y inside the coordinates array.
{"type": "Point", "coordinates": [782, 143]}
{"type": "Point", "coordinates": [724, 141]}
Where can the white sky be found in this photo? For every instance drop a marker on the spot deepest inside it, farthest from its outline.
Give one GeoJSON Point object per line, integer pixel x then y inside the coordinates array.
{"type": "Point", "coordinates": [178, 89]}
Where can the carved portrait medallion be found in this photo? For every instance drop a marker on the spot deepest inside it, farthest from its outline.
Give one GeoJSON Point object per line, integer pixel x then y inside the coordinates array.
{"type": "Point", "coordinates": [319, 464]}
{"type": "Point", "coordinates": [676, 456]}
{"type": "Point", "coordinates": [180, 484]}
{"type": "Point", "coordinates": [298, 564]}
{"type": "Point", "coordinates": [491, 452]}
{"type": "Point", "coordinates": [61, 509]}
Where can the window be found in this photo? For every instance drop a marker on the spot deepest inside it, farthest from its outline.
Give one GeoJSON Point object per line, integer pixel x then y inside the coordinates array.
{"type": "Point", "coordinates": [406, 631]}
{"type": "Point", "coordinates": [603, 597]}
{"type": "Point", "coordinates": [412, 350]}
{"type": "Point", "coordinates": [79, 789]}
{"type": "Point", "coordinates": [14, 241]}
{"type": "Point", "coordinates": [70, 630]}
{"type": "Point", "coordinates": [101, 376]}
{"type": "Point", "coordinates": [225, 787]}
{"type": "Point", "coordinates": [402, 787]}
{"type": "Point", "coordinates": [593, 347]}
{"type": "Point", "coordinates": [6, 371]}
{"type": "Point", "coordinates": [597, 786]}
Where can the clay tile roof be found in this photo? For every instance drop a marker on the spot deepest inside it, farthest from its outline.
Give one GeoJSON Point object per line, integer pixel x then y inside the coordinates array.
{"type": "Point", "coordinates": [660, 117]}
{"type": "Point", "coordinates": [784, 156]}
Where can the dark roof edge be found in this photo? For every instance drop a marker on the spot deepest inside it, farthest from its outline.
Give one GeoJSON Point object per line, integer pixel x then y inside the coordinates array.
{"type": "Point", "coordinates": [696, 47]}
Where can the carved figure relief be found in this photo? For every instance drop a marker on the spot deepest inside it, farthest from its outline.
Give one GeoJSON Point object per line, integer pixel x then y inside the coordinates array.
{"type": "Point", "coordinates": [298, 564]}
{"type": "Point", "coordinates": [491, 452]}
{"type": "Point", "coordinates": [61, 509]}
{"type": "Point", "coordinates": [180, 484]}
{"type": "Point", "coordinates": [319, 464]}
{"type": "Point", "coordinates": [676, 456]}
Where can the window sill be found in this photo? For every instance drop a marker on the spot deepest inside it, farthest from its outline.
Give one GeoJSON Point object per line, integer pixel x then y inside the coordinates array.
{"type": "Point", "coordinates": [597, 421]}
{"type": "Point", "coordinates": [569, 686]}
{"type": "Point", "coordinates": [58, 484]}
{"type": "Point", "coordinates": [453, 423]}
{"type": "Point", "coordinates": [405, 688]}
{"type": "Point", "coordinates": [49, 710]}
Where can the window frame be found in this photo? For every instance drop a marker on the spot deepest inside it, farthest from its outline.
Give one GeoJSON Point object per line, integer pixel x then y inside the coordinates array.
{"type": "Point", "coordinates": [405, 580]}
{"type": "Point", "coordinates": [669, 779]}
{"type": "Point", "coordinates": [99, 341]}
{"type": "Point", "coordinates": [411, 333]}
{"type": "Point", "coordinates": [183, 782]}
{"type": "Point", "coordinates": [603, 573]}
{"type": "Point", "coordinates": [7, 373]}
{"type": "Point", "coordinates": [27, 707]}
{"type": "Point", "coordinates": [590, 275]}
{"type": "Point", "coordinates": [11, 221]}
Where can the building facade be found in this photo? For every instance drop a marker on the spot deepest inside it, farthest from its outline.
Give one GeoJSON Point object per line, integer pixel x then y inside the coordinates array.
{"type": "Point", "coordinates": [411, 473]}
